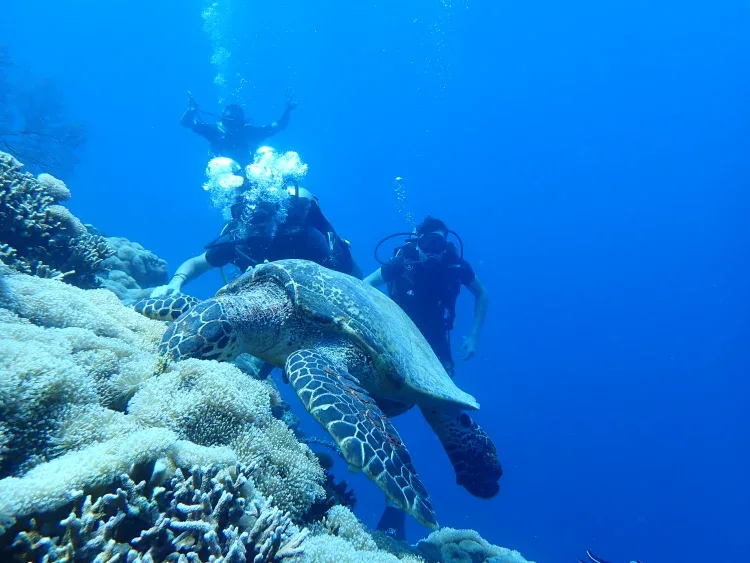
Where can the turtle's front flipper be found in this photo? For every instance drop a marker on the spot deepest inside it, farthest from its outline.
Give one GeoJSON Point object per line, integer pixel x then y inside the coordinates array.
{"type": "Point", "coordinates": [366, 437]}
{"type": "Point", "coordinates": [165, 308]}
{"type": "Point", "coordinates": [471, 451]}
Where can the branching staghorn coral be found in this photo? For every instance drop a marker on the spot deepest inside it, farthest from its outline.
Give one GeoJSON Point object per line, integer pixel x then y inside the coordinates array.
{"type": "Point", "coordinates": [40, 237]}
{"type": "Point", "coordinates": [201, 515]}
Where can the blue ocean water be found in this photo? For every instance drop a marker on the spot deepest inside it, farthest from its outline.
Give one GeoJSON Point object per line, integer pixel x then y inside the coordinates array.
{"type": "Point", "coordinates": [594, 158]}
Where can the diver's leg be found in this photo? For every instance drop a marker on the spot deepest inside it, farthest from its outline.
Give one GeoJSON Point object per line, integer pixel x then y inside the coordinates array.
{"type": "Point", "coordinates": [393, 521]}
{"type": "Point", "coordinates": [442, 348]}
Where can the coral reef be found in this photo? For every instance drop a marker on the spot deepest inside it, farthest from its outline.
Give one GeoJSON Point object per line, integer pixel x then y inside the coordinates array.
{"type": "Point", "coordinates": [40, 237]}
{"type": "Point", "coordinates": [133, 271]}
{"type": "Point", "coordinates": [448, 545]}
{"type": "Point", "coordinates": [288, 470]}
{"type": "Point", "coordinates": [336, 492]}
{"type": "Point", "coordinates": [107, 456]}
{"type": "Point", "coordinates": [201, 516]}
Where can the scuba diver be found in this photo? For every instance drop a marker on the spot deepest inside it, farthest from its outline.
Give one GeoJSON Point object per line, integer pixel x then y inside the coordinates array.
{"type": "Point", "coordinates": [424, 277]}
{"type": "Point", "coordinates": [593, 558]}
{"type": "Point", "coordinates": [259, 232]}
{"type": "Point", "coordinates": [233, 136]}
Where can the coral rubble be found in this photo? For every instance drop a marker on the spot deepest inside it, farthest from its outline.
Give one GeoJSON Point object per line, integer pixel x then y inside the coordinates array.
{"type": "Point", "coordinates": [40, 237]}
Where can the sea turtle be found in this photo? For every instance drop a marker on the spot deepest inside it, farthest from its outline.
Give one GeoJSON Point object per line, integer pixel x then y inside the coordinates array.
{"type": "Point", "coordinates": [354, 358]}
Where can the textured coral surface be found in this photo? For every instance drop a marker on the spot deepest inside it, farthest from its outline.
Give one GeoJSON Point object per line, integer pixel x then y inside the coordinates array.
{"type": "Point", "coordinates": [40, 237]}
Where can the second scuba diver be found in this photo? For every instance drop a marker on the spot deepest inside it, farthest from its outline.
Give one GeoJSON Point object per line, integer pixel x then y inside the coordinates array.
{"type": "Point", "coordinates": [424, 277]}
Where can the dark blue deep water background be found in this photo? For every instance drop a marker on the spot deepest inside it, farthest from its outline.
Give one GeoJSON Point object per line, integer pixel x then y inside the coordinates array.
{"type": "Point", "coordinates": [592, 155]}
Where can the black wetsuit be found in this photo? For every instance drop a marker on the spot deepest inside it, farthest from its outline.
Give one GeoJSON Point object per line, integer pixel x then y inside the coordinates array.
{"type": "Point", "coordinates": [427, 292]}
{"type": "Point", "coordinates": [238, 145]}
{"type": "Point", "coordinates": [306, 235]}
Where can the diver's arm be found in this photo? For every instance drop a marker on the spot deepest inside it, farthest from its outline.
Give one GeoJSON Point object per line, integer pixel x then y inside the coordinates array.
{"type": "Point", "coordinates": [481, 302]}
{"type": "Point", "coordinates": [189, 270]}
{"type": "Point", "coordinates": [283, 121]}
{"type": "Point", "coordinates": [280, 125]}
{"type": "Point", "coordinates": [264, 131]}
{"type": "Point", "coordinates": [192, 120]}
{"type": "Point", "coordinates": [192, 268]}
{"type": "Point", "coordinates": [190, 117]}
{"type": "Point", "coordinates": [375, 279]}
{"type": "Point", "coordinates": [356, 270]}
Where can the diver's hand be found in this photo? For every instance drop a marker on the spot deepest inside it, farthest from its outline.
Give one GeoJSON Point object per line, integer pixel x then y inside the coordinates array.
{"type": "Point", "coordinates": [469, 347]}
{"type": "Point", "coordinates": [192, 104]}
{"type": "Point", "coordinates": [290, 101]}
{"type": "Point", "coordinates": [165, 290]}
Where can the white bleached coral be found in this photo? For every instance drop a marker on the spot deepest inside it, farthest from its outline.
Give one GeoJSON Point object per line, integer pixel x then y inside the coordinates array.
{"type": "Point", "coordinates": [39, 380]}
{"type": "Point", "coordinates": [332, 549]}
{"type": "Point", "coordinates": [80, 426]}
{"type": "Point", "coordinates": [206, 402]}
{"type": "Point", "coordinates": [55, 483]}
{"type": "Point", "coordinates": [288, 470]}
{"type": "Point", "coordinates": [198, 515]}
{"type": "Point", "coordinates": [449, 545]}
{"type": "Point", "coordinates": [50, 303]}
{"type": "Point", "coordinates": [211, 403]}
{"type": "Point", "coordinates": [54, 188]}
{"type": "Point", "coordinates": [341, 522]}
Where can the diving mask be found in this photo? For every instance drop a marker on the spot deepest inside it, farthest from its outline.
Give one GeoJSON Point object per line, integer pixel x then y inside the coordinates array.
{"type": "Point", "coordinates": [432, 243]}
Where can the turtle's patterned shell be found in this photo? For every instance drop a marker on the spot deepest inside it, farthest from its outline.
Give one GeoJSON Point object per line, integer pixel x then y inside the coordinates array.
{"type": "Point", "coordinates": [398, 350]}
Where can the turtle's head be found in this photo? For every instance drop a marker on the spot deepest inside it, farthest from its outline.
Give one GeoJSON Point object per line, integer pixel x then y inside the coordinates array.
{"type": "Point", "coordinates": [247, 317]}
{"type": "Point", "coordinates": [204, 332]}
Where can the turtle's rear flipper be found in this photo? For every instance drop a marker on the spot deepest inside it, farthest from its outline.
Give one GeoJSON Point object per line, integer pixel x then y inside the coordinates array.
{"type": "Point", "coordinates": [471, 451]}
{"type": "Point", "coordinates": [165, 308]}
{"type": "Point", "coordinates": [366, 437]}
